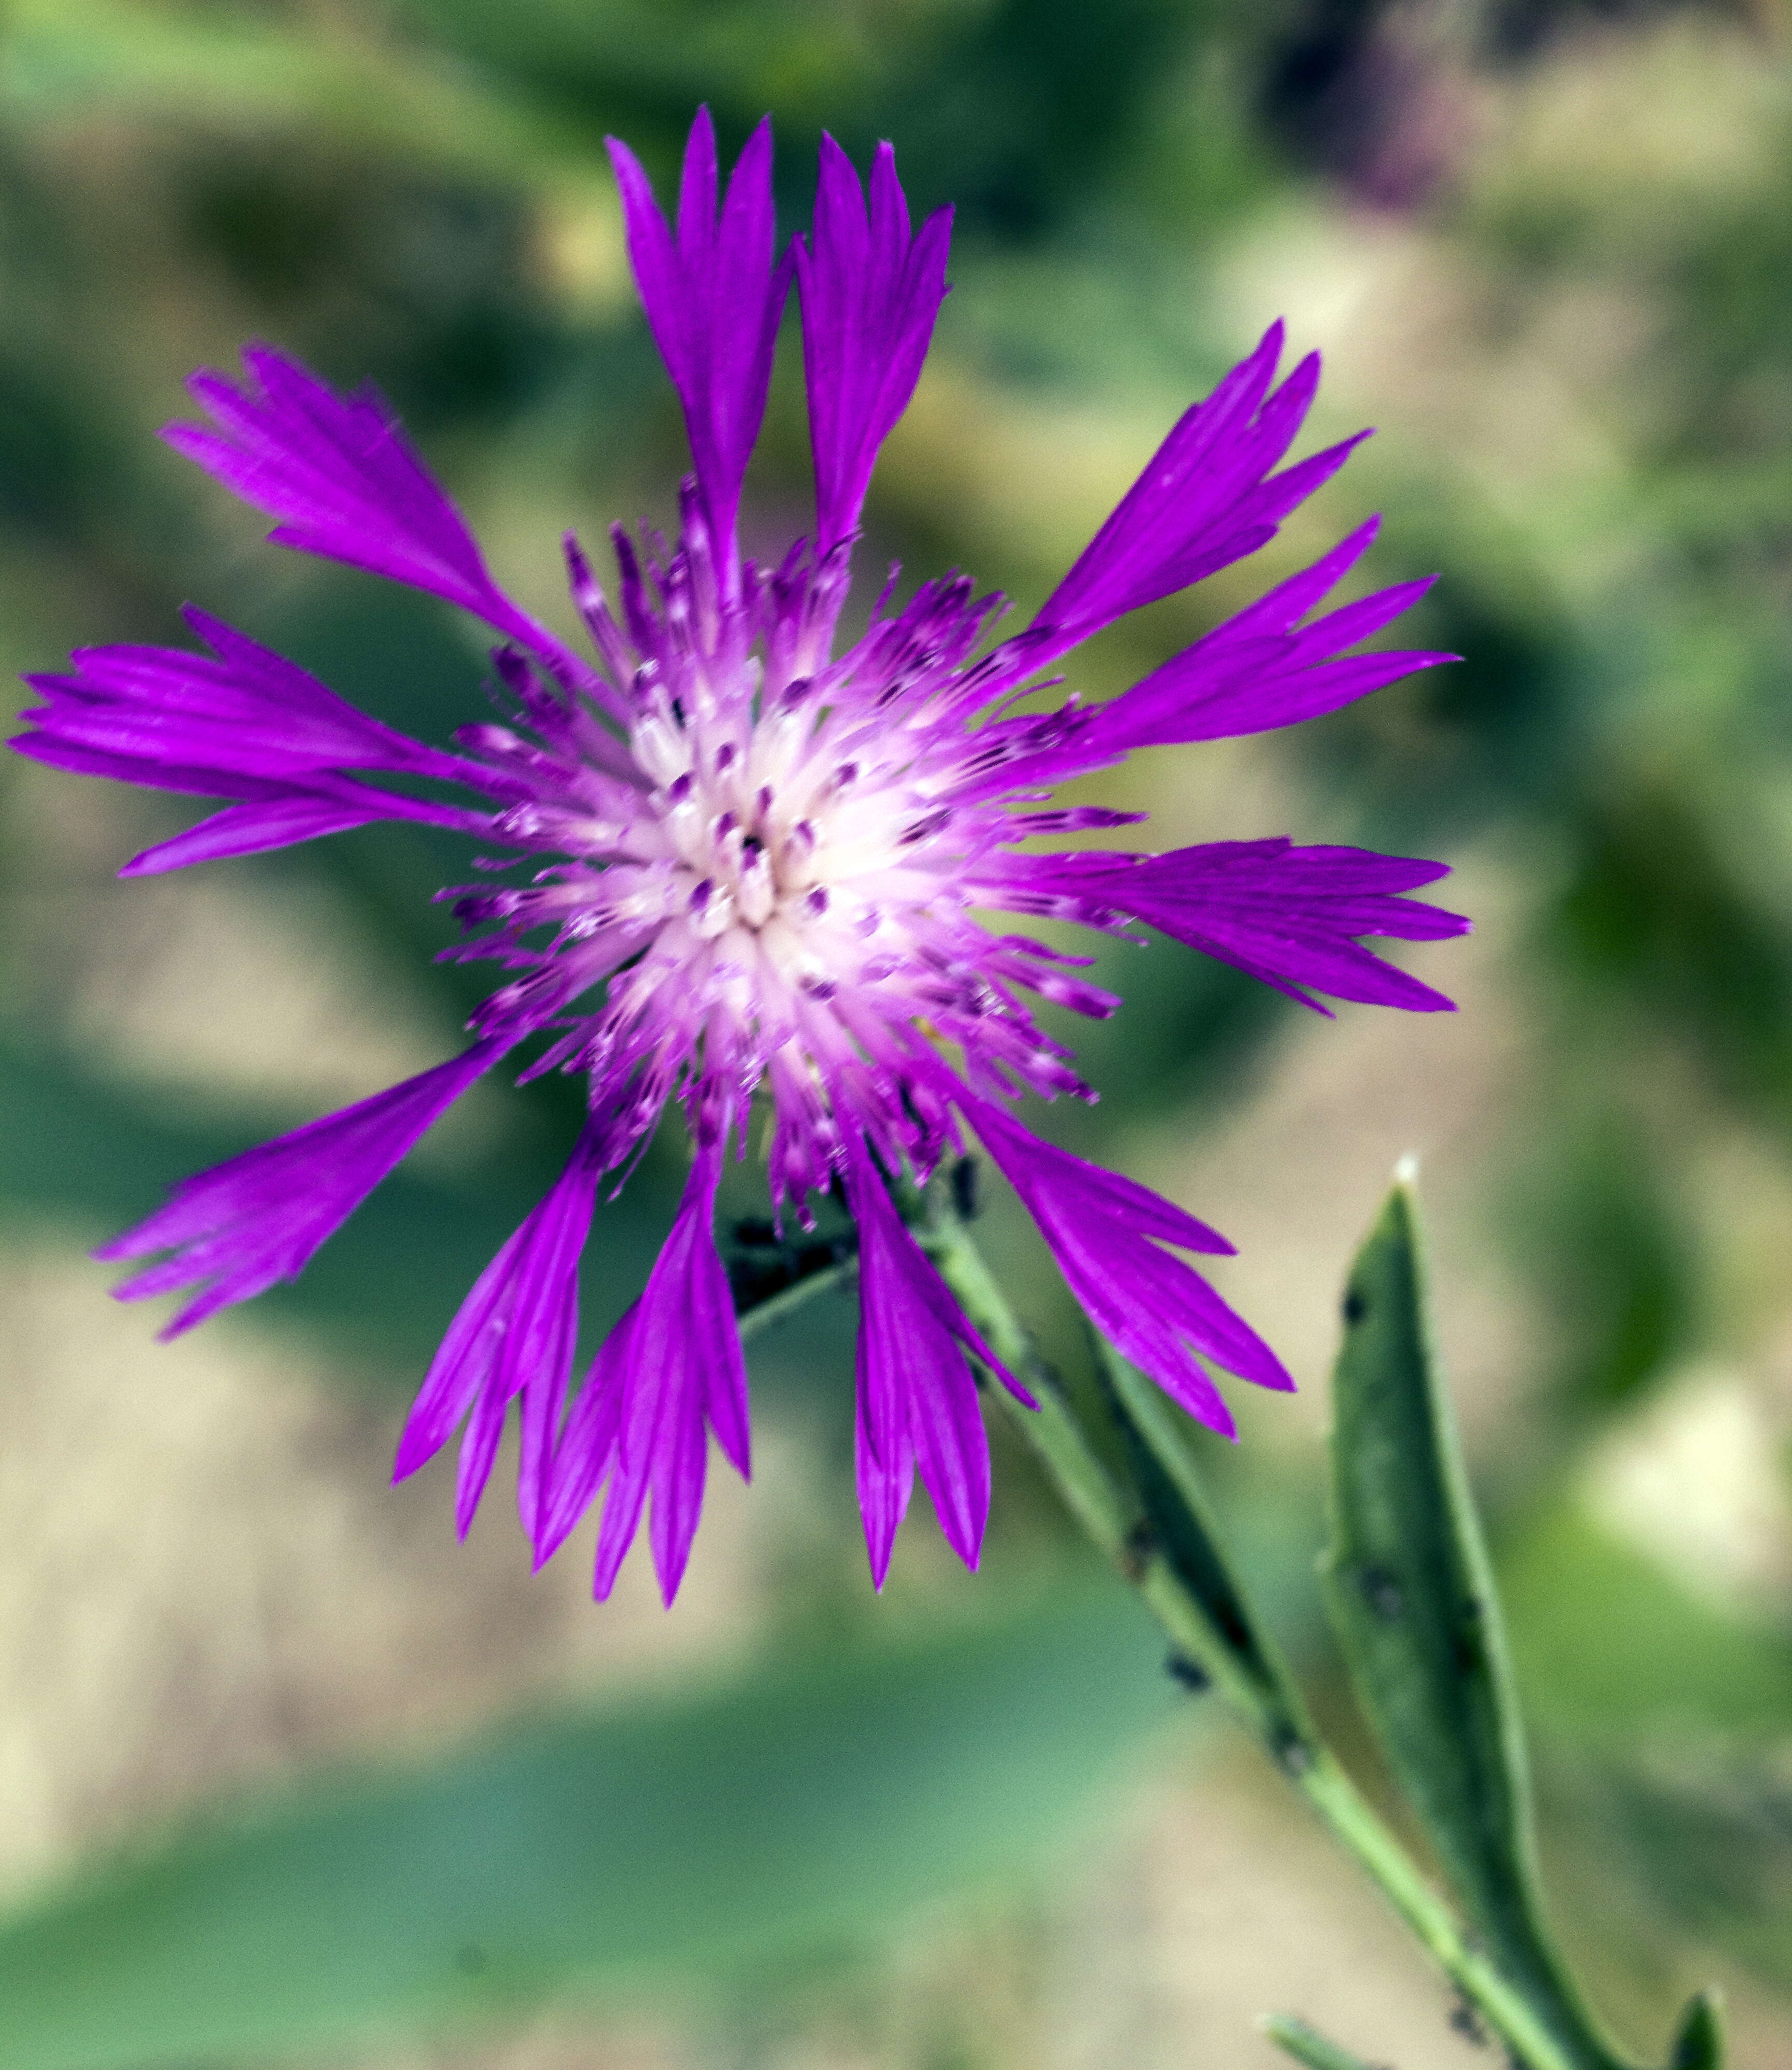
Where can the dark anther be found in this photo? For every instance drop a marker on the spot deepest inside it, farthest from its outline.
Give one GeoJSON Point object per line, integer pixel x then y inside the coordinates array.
{"type": "Point", "coordinates": [1355, 1307]}
{"type": "Point", "coordinates": [1382, 1592]}
{"type": "Point", "coordinates": [1189, 1674]}
{"type": "Point", "coordinates": [965, 1202]}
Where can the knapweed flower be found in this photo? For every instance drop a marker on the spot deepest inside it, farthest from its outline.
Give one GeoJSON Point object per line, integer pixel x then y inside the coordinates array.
{"type": "Point", "coordinates": [750, 866]}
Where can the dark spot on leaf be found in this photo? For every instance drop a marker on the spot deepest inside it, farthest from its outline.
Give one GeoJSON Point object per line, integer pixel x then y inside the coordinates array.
{"type": "Point", "coordinates": [1139, 1544]}
{"type": "Point", "coordinates": [1355, 1308]}
{"type": "Point", "coordinates": [1382, 1592]}
{"type": "Point", "coordinates": [1466, 2022]}
{"type": "Point", "coordinates": [1190, 1674]}
{"type": "Point", "coordinates": [1292, 1753]}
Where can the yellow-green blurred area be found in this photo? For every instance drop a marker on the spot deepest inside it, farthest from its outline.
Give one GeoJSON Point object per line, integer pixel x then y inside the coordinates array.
{"type": "Point", "coordinates": [1545, 247]}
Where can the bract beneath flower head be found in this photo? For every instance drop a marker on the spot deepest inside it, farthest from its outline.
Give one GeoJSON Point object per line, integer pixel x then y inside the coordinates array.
{"type": "Point", "coordinates": [727, 858]}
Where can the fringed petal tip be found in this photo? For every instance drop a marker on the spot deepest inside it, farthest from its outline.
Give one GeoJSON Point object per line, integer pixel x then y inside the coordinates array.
{"type": "Point", "coordinates": [918, 1405]}
{"type": "Point", "coordinates": [235, 1230]}
{"type": "Point", "coordinates": [1207, 498]}
{"type": "Point", "coordinates": [1105, 1234]}
{"type": "Point", "coordinates": [344, 482]}
{"type": "Point", "coordinates": [870, 294]}
{"type": "Point", "coordinates": [713, 290]}
{"type": "Point", "coordinates": [671, 1373]}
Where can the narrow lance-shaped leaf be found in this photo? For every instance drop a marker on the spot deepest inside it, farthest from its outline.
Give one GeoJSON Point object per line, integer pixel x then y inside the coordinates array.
{"type": "Point", "coordinates": [1411, 1597]}
{"type": "Point", "coordinates": [676, 1846]}
{"type": "Point", "coordinates": [1178, 1515]}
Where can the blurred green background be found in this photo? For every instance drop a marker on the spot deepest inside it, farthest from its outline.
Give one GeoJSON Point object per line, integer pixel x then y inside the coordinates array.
{"type": "Point", "coordinates": [391, 1801]}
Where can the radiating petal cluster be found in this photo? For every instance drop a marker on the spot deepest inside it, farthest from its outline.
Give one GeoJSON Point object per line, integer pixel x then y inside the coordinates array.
{"type": "Point", "coordinates": [746, 867]}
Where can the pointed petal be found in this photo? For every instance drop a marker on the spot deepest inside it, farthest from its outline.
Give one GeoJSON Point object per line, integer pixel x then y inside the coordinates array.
{"type": "Point", "coordinates": [713, 296]}
{"type": "Point", "coordinates": [257, 1218]}
{"type": "Point", "coordinates": [918, 1403]}
{"type": "Point", "coordinates": [1261, 670]}
{"type": "Point", "coordinates": [587, 1448]}
{"type": "Point", "coordinates": [514, 1334]}
{"type": "Point", "coordinates": [885, 1478]}
{"type": "Point", "coordinates": [1206, 499]}
{"type": "Point", "coordinates": [294, 815]}
{"type": "Point", "coordinates": [670, 1367]}
{"type": "Point", "coordinates": [339, 473]}
{"type": "Point", "coordinates": [1150, 1306]}
{"type": "Point", "coordinates": [1286, 914]}
{"type": "Point", "coordinates": [870, 294]}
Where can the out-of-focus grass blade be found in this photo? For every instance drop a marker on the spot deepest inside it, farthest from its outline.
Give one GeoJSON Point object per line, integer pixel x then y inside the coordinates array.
{"type": "Point", "coordinates": [1411, 1597]}
{"type": "Point", "coordinates": [59, 57]}
{"type": "Point", "coordinates": [679, 1845]}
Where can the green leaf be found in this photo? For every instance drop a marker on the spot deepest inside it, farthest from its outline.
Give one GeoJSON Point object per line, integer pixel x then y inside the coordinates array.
{"type": "Point", "coordinates": [681, 1844]}
{"type": "Point", "coordinates": [1411, 1596]}
{"type": "Point", "coordinates": [1179, 1515]}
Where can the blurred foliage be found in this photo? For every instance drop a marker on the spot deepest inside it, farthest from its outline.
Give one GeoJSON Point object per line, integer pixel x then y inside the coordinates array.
{"type": "Point", "coordinates": [1585, 382]}
{"type": "Point", "coordinates": [699, 1845]}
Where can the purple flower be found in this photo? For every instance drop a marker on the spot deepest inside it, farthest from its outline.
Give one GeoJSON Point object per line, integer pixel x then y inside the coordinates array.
{"type": "Point", "coordinates": [750, 862]}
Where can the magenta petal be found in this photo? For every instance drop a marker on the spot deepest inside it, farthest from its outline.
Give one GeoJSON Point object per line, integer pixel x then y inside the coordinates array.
{"type": "Point", "coordinates": [713, 296]}
{"type": "Point", "coordinates": [870, 294]}
{"type": "Point", "coordinates": [237, 1228]}
{"type": "Point", "coordinates": [1286, 914]}
{"type": "Point", "coordinates": [1150, 1306]}
{"type": "Point", "coordinates": [1261, 669]}
{"type": "Point", "coordinates": [917, 1402]}
{"type": "Point", "coordinates": [240, 723]}
{"type": "Point", "coordinates": [587, 1448]}
{"type": "Point", "coordinates": [293, 816]}
{"type": "Point", "coordinates": [514, 1334]}
{"type": "Point", "coordinates": [671, 1369]}
{"type": "Point", "coordinates": [241, 708]}
{"type": "Point", "coordinates": [1206, 499]}
{"type": "Point", "coordinates": [886, 1479]}
{"type": "Point", "coordinates": [339, 473]}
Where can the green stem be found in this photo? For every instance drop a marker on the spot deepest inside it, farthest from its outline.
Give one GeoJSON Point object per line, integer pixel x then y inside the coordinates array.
{"type": "Point", "coordinates": [1273, 1713]}
{"type": "Point", "coordinates": [788, 1299]}
{"type": "Point", "coordinates": [1307, 2045]}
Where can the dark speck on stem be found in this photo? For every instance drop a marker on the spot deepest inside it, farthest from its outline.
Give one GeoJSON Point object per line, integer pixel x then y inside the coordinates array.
{"type": "Point", "coordinates": [1382, 1591]}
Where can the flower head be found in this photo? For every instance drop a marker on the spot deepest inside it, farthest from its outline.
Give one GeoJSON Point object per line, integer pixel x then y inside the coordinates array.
{"type": "Point", "coordinates": [751, 861]}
